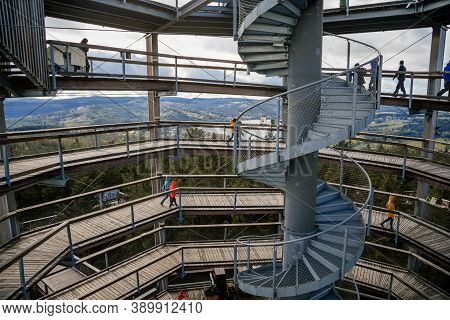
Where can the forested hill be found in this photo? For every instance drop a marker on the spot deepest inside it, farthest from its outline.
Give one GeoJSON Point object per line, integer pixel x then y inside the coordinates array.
{"type": "Point", "coordinates": [86, 110]}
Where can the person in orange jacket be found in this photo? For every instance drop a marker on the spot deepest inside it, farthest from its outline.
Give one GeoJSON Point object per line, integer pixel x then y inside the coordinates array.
{"type": "Point", "coordinates": [173, 193]}
{"type": "Point", "coordinates": [232, 122]}
{"type": "Point", "coordinates": [390, 214]}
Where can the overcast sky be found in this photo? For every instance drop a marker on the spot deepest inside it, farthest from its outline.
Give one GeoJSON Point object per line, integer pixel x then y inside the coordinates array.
{"type": "Point", "coordinates": [391, 42]}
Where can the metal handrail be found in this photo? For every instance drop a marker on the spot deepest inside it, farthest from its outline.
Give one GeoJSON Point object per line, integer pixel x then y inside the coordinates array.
{"type": "Point", "coordinates": [318, 81]}
{"type": "Point", "coordinates": [240, 241]}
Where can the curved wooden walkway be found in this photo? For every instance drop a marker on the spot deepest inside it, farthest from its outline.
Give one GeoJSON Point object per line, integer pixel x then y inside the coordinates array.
{"type": "Point", "coordinates": [427, 170]}
{"type": "Point", "coordinates": [47, 248]}
{"type": "Point", "coordinates": [427, 236]}
{"type": "Point", "coordinates": [42, 251]}
{"type": "Point", "coordinates": [121, 281]}
{"type": "Point", "coordinates": [406, 285]}
{"type": "Point", "coordinates": [33, 170]}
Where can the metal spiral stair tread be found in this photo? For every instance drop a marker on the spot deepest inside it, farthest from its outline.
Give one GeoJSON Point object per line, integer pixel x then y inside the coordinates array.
{"type": "Point", "coordinates": [321, 263]}
{"type": "Point", "coordinates": [264, 35]}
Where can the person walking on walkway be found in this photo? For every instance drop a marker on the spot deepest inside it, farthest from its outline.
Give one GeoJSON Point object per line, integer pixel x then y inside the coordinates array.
{"type": "Point", "coordinates": [446, 77]}
{"type": "Point", "coordinates": [232, 122]}
{"type": "Point", "coordinates": [390, 206]}
{"type": "Point", "coordinates": [165, 187]}
{"type": "Point", "coordinates": [401, 76]}
{"type": "Point", "coordinates": [173, 194]}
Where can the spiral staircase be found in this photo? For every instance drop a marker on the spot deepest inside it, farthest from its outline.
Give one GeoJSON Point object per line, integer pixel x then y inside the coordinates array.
{"type": "Point", "coordinates": [343, 109]}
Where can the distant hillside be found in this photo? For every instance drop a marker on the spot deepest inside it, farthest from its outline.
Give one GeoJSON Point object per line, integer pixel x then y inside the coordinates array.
{"type": "Point", "coordinates": [77, 111]}
{"type": "Point", "coordinates": [99, 110]}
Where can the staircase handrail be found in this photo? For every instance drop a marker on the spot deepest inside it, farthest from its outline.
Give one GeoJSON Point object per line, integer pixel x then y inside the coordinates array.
{"type": "Point", "coordinates": [243, 241]}
{"type": "Point", "coordinates": [318, 81]}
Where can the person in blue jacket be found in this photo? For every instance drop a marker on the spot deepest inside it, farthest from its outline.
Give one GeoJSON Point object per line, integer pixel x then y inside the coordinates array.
{"type": "Point", "coordinates": [446, 77]}
{"type": "Point", "coordinates": [166, 186]}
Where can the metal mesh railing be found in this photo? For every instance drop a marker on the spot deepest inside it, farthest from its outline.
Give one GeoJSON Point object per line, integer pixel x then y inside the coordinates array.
{"type": "Point", "coordinates": [245, 7]}
{"type": "Point", "coordinates": [340, 93]}
{"type": "Point", "coordinates": [349, 233]}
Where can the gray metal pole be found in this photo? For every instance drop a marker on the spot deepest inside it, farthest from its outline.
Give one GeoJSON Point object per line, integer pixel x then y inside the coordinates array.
{"type": "Point", "coordinates": [176, 75]}
{"type": "Point", "coordinates": [380, 79]}
{"type": "Point", "coordinates": [52, 66]}
{"type": "Point", "coordinates": [235, 146]}
{"type": "Point", "coordinates": [66, 60]}
{"type": "Point", "coordinates": [182, 262]}
{"type": "Point", "coordinates": [355, 93]}
{"type": "Point", "coordinates": [127, 143]}
{"type": "Point", "coordinates": [411, 91]}
{"type": "Point", "coordinates": [6, 165]}
{"type": "Point", "coordinates": [249, 147]}
{"type": "Point", "coordinates": [341, 171]}
{"type": "Point", "coordinates": [138, 282]}
{"type": "Point", "coordinates": [23, 287]}
{"type": "Point", "coordinates": [235, 265]}
{"type": "Point", "coordinates": [124, 76]}
{"type": "Point", "coordinates": [61, 159]}
{"type": "Point", "coordinates": [180, 217]}
{"type": "Point", "coordinates": [106, 260]}
{"type": "Point", "coordinates": [274, 271]}
{"type": "Point", "coordinates": [248, 254]}
{"type": "Point", "coordinates": [132, 216]}
{"type": "Point", "coordinates": [390, 286]}
{"type": "Point", "coordinates": [69, 238]}
{"type": "Point", "coordinates": [369, 216]}
{"type": "Point", "coordinates": [277, 146]}
{"type": "Point", "coordinates": [96, 138]}
{"type": "Point", "coordinates": [178, 140]}
{"type": "Point", "coordinates": [348, 60]}
{"type": "Point", "coordinates": [397, 230]}
{"type": "Point", "coordinates": [405, 156]}
{"type": "Point", "coordinates": [235, 22]}
{"type": "Point", "coordinates": [344, 254]}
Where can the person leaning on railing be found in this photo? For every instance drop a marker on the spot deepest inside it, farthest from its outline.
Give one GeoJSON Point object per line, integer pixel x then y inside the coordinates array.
{"type": "Point", "coordinates": [390, 206]}
{"type": "Point", "coordinates": [361, 72]}
{"type": "Point", "coordinates": [86, 50]}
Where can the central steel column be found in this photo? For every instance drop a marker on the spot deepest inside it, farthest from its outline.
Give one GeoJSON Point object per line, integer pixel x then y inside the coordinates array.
{"type": "Point", "coordinates": [305, 60]}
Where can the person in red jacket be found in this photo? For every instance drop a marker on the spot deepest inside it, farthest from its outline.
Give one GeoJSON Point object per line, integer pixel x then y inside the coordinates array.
{"type": "Point", "coordinates": [173, 194]}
